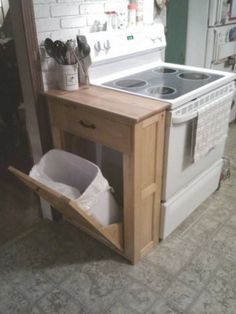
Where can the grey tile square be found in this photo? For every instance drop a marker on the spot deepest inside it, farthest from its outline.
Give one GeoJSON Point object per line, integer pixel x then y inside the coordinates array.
{"type": "Point", "coordinates": [8, 263]}
{"type": "Point", "coordinates": [33, 251]}
{"type": "Point", "coordinates": [218, 212]}
{"type": "Point", "coordinates": [227, 271]}
{"type": "Point", "coordinates": [161, 307]}
{"type": "Point", "coordinates": [223, 243]}
{"type": "Point", "coordinates": [150, 275]}
{"type": "Point", "coordinates": [179, 296]}
{"type": "Point", "coordinates": [97, 285]}
{"type": "Point", "coordinates": [138, 297]}
{"type": "Point", "coordinates": [221, 287]}
{"type": "Point", "coordinates": [232, 221]}
{"type": "Point", "coordinates": [231, 248]}
{"type": "Point", "coordinates": [220, 238]}
{"type": "Point", "coordinates": [190, 221]}
{"type": "Point", "coordinates": [36, 310]}
{"type": "Point", "coordinates": [12, 301]}
{"type": "Point", "coordinates": [172, 254]}
{"type": "Point", "coordinates": [221, 200]}
{"type": "Point", "coordinates": [120, 308]}
{"type": "Point", "coordinates": [202, 231]}
{"type": "Point", "coordinates": [228, 187]}
{"type": "Point", "coordinates": [199, 270]}
{"type": "Point", "coordinates": [208, 304]}
{"type": "Point", "coordinates": [32, 284]}
{"type": "Point", "coordinates": [218, 298]}
{"type": "Point", "coordinates": [68, 263]}
{"type": "Point", "coordinates": [59, 302]}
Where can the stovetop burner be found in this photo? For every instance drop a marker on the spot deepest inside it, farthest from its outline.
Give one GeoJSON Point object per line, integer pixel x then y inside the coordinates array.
{"type": "Point", "coordinates": [163, 82]}
{"type": "Point", "coordinates": [160, 90]}
{"type": "Point", "coordinates": [164, 70]}
{"type": "Point", "coordinates": [131, 83]}
{"type": "Point", "coordinates": [194, 76]}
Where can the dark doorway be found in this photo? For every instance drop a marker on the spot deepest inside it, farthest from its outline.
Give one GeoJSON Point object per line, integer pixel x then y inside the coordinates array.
{"type": "Point", "coordinates": [19, 208]}
{"type": "Point", "coordinates": [177, 17]}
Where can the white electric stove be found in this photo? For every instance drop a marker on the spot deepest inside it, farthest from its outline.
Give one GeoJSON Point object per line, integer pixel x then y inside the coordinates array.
{"type": "Point", "coordinates": [131, 61]}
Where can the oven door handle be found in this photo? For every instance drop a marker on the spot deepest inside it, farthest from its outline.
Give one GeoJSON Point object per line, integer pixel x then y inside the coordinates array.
{"type": "Point", "coordinates": [184, 118]}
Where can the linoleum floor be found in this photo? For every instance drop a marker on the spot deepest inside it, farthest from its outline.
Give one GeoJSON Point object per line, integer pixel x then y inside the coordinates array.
{"type": "Point", "coordinates": [55, 268]}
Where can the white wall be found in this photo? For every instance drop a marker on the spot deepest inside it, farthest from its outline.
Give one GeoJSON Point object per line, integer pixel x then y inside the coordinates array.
{"type": "Point", "coordinates": [64, 19]}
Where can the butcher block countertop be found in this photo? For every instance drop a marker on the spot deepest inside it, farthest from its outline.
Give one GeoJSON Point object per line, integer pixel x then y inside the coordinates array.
{"type": "Point", "coordinates": [109, 103]}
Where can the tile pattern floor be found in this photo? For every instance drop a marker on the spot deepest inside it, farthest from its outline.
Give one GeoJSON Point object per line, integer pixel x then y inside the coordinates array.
{"type": "Point", "coordinates": [55, 268]}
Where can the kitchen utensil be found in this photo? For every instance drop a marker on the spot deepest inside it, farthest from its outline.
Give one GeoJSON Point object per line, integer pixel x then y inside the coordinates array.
{"type": "Point", "coordinates": [60, 51]}
{"type": "Point", "coordinates": [83, 47]}
{"type": "Point", "coordinates": [84, 53]}
{"type": "Point", "coordinates": [83, 75]}
{"type": "Point", "coordinates": [49, 46]}
{"type": "Point", "coordinates": [71, 47]}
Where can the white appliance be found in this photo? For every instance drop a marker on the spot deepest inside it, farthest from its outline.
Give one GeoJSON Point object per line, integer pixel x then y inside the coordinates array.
{"type": "Point", "coordinates": [211, 36]}
{"type": "Point", "coordinates": [131, 61]}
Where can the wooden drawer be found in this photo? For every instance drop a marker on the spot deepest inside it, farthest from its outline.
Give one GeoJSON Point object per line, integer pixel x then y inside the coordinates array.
{"type": "Point", "coordinates": [86, 124]}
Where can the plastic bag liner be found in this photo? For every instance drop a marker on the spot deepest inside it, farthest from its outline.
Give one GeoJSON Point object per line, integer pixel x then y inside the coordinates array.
{"type": "Point", "coordinates": [80, 180]}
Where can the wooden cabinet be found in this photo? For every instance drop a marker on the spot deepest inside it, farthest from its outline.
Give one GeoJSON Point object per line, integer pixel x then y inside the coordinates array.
{"type": "Point", "coordinates": [131, 125]}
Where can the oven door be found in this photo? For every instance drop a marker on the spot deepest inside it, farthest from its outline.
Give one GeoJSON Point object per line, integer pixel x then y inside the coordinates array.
{"type": "Point", "coordinates": [179, 168]}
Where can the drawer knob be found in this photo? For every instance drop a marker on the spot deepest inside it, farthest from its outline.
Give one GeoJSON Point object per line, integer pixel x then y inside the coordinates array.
{"type": "Point", "coordinates": [87, 124]}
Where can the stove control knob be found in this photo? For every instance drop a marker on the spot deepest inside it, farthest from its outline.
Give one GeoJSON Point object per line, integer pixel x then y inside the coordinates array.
{"type": "Point", "coordinates": [97, 46]}
{"type": "Point", "coordinates": [107, 45]}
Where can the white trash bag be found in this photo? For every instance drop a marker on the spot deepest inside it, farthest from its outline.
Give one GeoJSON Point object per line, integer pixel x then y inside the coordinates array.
{"type": "Point", "coordinates": [80, 180]}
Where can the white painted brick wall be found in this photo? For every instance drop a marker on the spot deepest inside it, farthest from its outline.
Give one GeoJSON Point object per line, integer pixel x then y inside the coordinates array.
{"type": "Point", "coordinates": [74, 22]}
{"type": "Point", "coordinates": [64, 19]}
{"type": "Point", "coordinates": [64, 10]}
{"type": "Point", "coordinates": [69, 1]}
{"type": "Point", "coordinates": [91, 18]}
{"type": "Point", "coordinates": [91, 8]}
{"type": "Point", "coordinates": [46, 25]}
{"type": "Point", "coordinates": [65, 34]}
{"type": "Point", "coordinates": [61, 17]}
{"type": "Point", "coordinates": [44, 1]}
{"type": "Point", "coordinates": [41, 11]}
